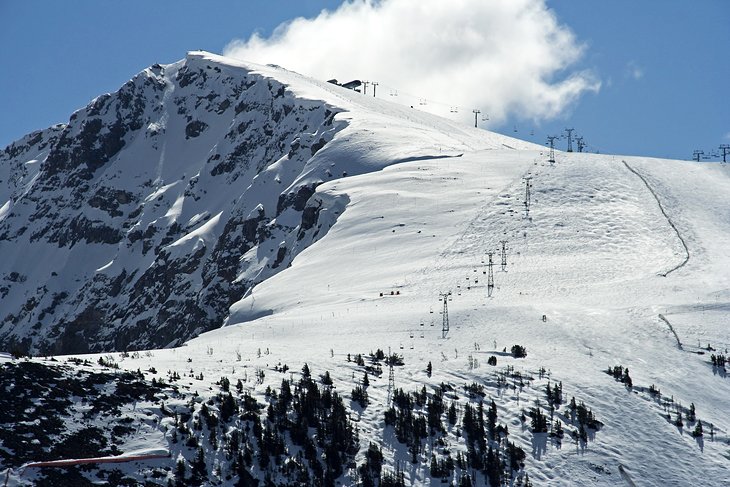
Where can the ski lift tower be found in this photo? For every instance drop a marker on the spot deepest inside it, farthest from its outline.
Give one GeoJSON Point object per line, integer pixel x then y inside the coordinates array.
{"type": "Point", "coordinates": [570, 139]}
{"type": "Point", "coordinates": [528, 185]}
{"type": "Point", "coordinates": [725, 148]}
{"type": "Point", "coordinates": [490, 275]}
{"type": "Point", "coordinates": [476, 116]}
{"type": "Point", "coordinates": [697, 154]}
{"type": "Point", "coordinates": [445, 314]}
{"type": "Point", "coordinates": [551, 141]}
{"type": "Point", "coordinates": [504, 255]}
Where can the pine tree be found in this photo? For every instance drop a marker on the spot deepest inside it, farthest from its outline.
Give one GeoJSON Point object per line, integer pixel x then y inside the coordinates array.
{"type": "Point", "coordinates": [228, 407]}
{"type": "Point", "coordinates": [697, 433]}
{"type": "Point", "coordinates": [180, 473]}
{"type": "Point", "coordinates": [429, 369]}
{"type": "Point", "coordinates": [434, 470]}
{"type": "Point", "coordinates": [199, 468]}
{"type": "Point", "coordinates": [492, 468]}
{"type": "Point", "coordinates": [452, 414]}
{"type": "Point", "coordinates": [626, 379]}
{"type": "Point", "coordinates": [691, 415]}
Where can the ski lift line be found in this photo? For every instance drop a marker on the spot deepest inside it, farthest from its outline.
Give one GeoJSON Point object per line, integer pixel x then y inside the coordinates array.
{"type": "Point", "coordinates": [418, 97]}
{"type": "Point", "coordinates": [422, 100]}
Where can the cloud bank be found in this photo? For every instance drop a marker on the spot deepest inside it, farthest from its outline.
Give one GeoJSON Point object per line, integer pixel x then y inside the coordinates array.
{"type": "Point", "coordinates": [504, 57]}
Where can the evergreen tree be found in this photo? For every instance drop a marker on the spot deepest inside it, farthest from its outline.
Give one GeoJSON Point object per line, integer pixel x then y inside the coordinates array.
{"type": "Point", "coordinates": [492, 470]}
{"type": "Point", "coordinates": [180, 473]}
{"type": "Point", "coordinates": [429, 369]}
{"type": "Point", "coordinates": [465, 481]}
{"type": "Point", "coordinates": [452, 414]}
{"type": "Point", "coordinates": [371, 469]}
{"type": "Point", "coordinates": [626, 379]}
{"type": "Point", "coordinates": [492, 420]}
{"type": "Point", "coordinates": [691, 415]}
{"type": "Point", "coordinates": [698, 430]}
{"type": "Point", "coordinates": [434, 470]}
{"type": "Point", "coordinates": [228, 407]}
{"type": "Point", "coordinates": [199, 469]}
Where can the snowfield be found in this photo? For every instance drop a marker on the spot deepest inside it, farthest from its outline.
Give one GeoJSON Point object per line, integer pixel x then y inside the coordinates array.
{"type": "Point", "coordinates": [619, 261]}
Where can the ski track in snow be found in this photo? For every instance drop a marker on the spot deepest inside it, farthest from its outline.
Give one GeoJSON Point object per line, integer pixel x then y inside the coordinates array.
{"type": "Point", "coordinates": [671, 223]}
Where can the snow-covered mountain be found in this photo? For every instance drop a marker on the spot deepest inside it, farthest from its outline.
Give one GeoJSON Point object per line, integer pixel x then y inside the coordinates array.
{"type": "Point", "coordinates": [321, 227]}
{"type": "Point", "coordinates": [139, 223]}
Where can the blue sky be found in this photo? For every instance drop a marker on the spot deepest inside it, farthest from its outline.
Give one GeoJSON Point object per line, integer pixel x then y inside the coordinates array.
{"type": "Point", "coordinates": [661, 64]}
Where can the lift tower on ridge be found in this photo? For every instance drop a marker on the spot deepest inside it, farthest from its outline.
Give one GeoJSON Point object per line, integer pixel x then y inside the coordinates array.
{"type": "Point", "coordinates": [551, 141]}
{"type": "Point", "coordinates": [570, 139]}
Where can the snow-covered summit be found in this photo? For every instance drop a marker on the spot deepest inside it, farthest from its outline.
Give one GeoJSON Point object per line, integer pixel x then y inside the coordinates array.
{"type": "Point", "coordinates": [139, 222]}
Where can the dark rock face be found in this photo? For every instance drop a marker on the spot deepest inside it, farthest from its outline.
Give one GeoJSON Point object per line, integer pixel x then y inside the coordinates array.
{"type": "Point", "coordinates": [140, 222]}
{"type": "Point", "coordinates": [195, 128]}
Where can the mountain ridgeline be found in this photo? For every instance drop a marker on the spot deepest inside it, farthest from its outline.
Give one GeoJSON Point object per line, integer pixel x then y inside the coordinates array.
{"type": "Point", "coordinates": [138, 223]}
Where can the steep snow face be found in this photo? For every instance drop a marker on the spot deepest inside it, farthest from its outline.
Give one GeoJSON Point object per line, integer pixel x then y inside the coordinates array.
{"type": "Point", "coordinates": [127, 227]}
{"type": "Point", "coordinates": [156, 207]}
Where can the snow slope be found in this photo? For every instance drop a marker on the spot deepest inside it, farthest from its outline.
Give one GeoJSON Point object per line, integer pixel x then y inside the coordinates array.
{"type": "Point", "coordinates": [609, 244]}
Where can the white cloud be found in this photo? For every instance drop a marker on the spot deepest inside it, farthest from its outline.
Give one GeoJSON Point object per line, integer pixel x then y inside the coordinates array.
{"type": "Point", "coordinates": [634, 71]}
{"type": "Point", "coordinates": [505, 57]}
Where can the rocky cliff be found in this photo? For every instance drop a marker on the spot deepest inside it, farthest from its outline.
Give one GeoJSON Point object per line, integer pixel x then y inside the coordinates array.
{"type": "Point", "coordinates": [138, 223]}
